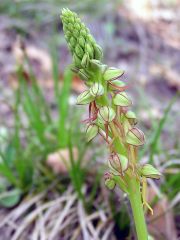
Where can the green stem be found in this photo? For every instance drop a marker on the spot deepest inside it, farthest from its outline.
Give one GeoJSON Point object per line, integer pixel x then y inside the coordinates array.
{"type": "Point", "coordinates": [137, 208]}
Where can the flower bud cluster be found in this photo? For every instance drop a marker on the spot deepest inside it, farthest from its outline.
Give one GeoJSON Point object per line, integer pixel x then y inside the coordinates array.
{"type": "Point", "coordinates": [80, 42]}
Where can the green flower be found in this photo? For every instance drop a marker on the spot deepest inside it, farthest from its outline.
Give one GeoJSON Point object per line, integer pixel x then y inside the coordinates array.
{"type": "Point", "coordinates": [97, 90]}
{"type": "Point", "coordinates": [109, 182]}
{"type": "Point", "coordinates": [131, 116]}
{"type": "Point", "coordinates": [121, 99]}
{"type": "Point", "coordinates": [135, 137]}
{"type": "Point", "coordinates": [106, 114]}
{"type": "Point", "coordinates": [112, 74]}
{"type": "Point", "coordinates": [118, 163]}
{"type": "Point", "coordinates": [84, 98]}
{"type": "Point", "coordinates": [149, 171]}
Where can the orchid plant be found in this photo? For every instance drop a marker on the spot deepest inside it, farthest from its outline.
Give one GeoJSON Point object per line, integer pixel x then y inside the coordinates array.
{"type": "Point", "coordinates": [110, 117]}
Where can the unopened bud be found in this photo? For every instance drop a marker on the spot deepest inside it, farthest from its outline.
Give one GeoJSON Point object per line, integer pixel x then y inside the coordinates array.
{"type": "Point", "coordinates": [121, 99]}
{"type": "Point", "coordinates": [106, 114]}
{"type": "Point", "coordinates": [89, 49]}
{"type": "Point", "coordinates": [72, 41]}
{"type": "Point", "coordinates": [149, 171]}
{"type": "Point", "coordinates": [85, 98]}
{"type": "Point", "coordinates": [91, 132]}
{"type": "Point", "coordinates": [98, 52]}
{"type": "Point", "coordinates": [109, 182]}
{"type": "Point", "coordinates": [97, 90]}
{"type": "Point", "coordinates": [78, 37]}
{"type": "Point", "coordinates": [85, 61]}
{"type": "Point", "coordinates": [112, 74]}
{"type": "Point", "coordinates": [81, 41]}
{"type": "Point", "coordinates": [135, 137]}
{"type": "Point", "coordinates": [79, 51]}
{"type": "Point", "coordinates": [76, 60]}
{"type": "Point", "coordinates": [77, 26]}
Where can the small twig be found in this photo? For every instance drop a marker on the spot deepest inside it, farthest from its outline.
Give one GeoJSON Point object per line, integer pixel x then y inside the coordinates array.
{"type": "Point", "coordinates": [61, 217]}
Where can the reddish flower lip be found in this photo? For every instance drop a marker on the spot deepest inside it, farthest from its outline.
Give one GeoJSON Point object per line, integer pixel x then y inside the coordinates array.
{"type": "Point", "coordinates": [88, 120]}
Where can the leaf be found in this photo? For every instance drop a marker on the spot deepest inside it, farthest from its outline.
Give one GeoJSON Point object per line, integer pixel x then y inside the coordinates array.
{"type": "Point", "coordinates": [10, 198]}
{"type": "Point", "coordinates": [160, 125]}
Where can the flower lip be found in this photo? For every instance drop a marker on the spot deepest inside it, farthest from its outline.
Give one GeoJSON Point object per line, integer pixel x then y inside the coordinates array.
{"type": "Point", "coordinates": [109, 181]}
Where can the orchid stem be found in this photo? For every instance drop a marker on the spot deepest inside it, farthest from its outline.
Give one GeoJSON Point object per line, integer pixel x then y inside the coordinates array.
{"type": "Point", "coordinates": [137, 208]}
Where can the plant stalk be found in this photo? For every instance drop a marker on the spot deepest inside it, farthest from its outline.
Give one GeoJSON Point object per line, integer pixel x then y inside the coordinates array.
{"type": "Point", "coordinates": [137, 208]}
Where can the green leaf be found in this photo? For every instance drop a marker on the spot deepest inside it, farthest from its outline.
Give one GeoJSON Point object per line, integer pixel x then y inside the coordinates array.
{"type": "Point", "coordinates": [10, 198]}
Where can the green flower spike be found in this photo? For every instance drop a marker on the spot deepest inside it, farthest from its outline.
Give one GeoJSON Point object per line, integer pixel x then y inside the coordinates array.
{"type": "Point", "coordinates": [81, 43]}
{"type": "Point", "coordinates": [110, 117]}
